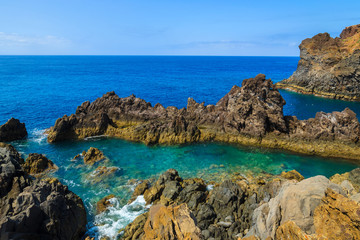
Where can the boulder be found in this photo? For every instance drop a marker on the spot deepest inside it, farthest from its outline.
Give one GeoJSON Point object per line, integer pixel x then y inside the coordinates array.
{"type": "Point", "coordinates": [12, 130]}
{"type": "Point", "coordinates": [38, 163]}
{"type": "Point", "coordinates": [102, 172]}
{"type": "Point", "coordinates": [172, 222]}
{"type": "Point", "coordinates": [293, 174]}
{"type": "Point", "coordinates": [295, 202]}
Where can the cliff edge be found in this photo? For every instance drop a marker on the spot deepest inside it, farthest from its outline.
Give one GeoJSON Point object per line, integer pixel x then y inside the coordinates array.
{"type": "Point", "coordinates": [328, 67]}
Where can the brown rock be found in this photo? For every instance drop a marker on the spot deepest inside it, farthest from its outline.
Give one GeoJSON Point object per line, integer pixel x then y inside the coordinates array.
{"type": "Point", "coordinates": [328, 66]}
{"type": "Point", "coordinates": [337, 217]}
{"type": "Point", "coordinates": [293, 174]}
{"type": "Point", "coordinates": [104, 203]}
{"type": "Point", "coordinates": [92, 156]}
{"type": "Point", "coordinates": [172, 222]}
{"type": "Point", "coordinates": [37, 163]}
{"type": "Point", "coordinates": [290, 231]}
{"type": "Point", "coordinates": [12, 130]}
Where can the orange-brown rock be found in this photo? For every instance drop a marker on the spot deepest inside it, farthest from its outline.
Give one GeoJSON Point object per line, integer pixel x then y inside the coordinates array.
{"type": "Point", "coordinates": [172, 222]}
{"type": "Point", "coordinates": [290, 231]}
{"type": "Point", "coordinates": [104, 203]}
{"type": "Point", "coordinates": [328, 67]}
{"type": "Point", "coordinates": [92, 156]}
{"type": "Point", "coordinates": [337, 217]}
{"type": "Point", "coordinates": [38, 163]}
{"type": "Point", "coordinates": [293, 174]}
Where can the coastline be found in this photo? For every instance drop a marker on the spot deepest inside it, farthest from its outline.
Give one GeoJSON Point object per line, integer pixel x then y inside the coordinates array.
{"type": "Point", "coordinates": [303, 90]}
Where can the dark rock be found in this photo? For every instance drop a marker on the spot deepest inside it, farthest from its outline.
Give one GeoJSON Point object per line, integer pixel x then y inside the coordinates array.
{"type": "Point", "coordinates": [41, 209]}
{"type": "Point", "coordinates": [12, 130]}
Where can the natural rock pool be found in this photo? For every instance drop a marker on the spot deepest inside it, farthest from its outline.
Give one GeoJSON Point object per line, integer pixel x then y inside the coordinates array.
{"type": "Point", "coordinates": [210, 161]}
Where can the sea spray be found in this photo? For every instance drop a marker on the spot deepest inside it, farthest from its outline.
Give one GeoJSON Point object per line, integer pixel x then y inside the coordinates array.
{"type": "Point", "coordinates": [116, 217]}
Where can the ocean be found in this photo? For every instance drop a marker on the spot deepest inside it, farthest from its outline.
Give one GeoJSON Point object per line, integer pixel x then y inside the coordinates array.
{"type": "Point", "coordinates": [39, 89]}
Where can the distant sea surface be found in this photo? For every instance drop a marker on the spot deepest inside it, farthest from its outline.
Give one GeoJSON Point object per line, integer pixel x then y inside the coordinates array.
{"type": "Point", "coordinates": [39, 89]}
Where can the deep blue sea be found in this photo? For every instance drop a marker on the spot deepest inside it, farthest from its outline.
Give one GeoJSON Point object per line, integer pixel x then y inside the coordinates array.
{"type": "Point", "coordinates": [40, 89]}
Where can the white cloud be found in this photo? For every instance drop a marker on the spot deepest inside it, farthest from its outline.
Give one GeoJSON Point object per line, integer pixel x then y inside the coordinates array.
{"type": "Point", "coordinates": [14, 39]}
{"type": "Point", "coordinates": [14, 43]}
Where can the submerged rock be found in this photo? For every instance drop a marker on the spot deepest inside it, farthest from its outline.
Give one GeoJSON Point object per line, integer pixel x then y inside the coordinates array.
{"type": "Point", "coordinates": [250, 115]}
{"type": "Point", "coordinates": [40, 209]}
{"type": "Point", "coordinates": [37, 163]}
{"type": "Point", "coordinates": [328, 67]}
{"type": "Point", "coordinates": [12, 130]}
{"type": "Point", "coordinates": [102, 172]}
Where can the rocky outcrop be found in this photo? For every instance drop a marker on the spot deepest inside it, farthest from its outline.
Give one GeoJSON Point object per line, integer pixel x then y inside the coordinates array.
{"type": "Point", "coordinates": [36, 164]}
{"type": "Point", "coordinates": [171, 222]}
{"type": "Point", "coordinates": [12, 130]}
{"type": "Point", "coordinates": [36, 209]}
{"type": "Point", "coordinates": [248, 115]}
{"type": "Point", "coordinates": [328, 67]}
{"type": "Point", "coordinates": [92, 156]}
{"type": "Point", "coordinates": [271, 207]}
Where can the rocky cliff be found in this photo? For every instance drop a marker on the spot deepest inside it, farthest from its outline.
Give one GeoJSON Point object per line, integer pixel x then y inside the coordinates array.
{"type": "Point", "coordinates": [328, 67]}
{"type": "Point", "coordinates": [251, 115]}
{"type": "Point", "coordinates": [36, 209]}
{"type": "Point", "coordinates": [285, 206]}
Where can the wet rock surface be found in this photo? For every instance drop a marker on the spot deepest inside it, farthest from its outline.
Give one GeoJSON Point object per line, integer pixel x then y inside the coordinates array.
{"type": "Point", "coordinates": [328, 67]}
{"type": "Point", "coordinates": [285, 206]}
{"type": "Point", "coordinates": [36, 209]}
{"type": "Point", "coordinates": [249, 115]}
{"type": "Point", "coordinates": [12, 130]}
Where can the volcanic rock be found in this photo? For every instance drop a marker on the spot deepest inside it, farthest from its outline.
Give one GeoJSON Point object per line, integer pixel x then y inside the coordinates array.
{"type": "Point", "coordinates": [12, 130]}
{"type": "Point", "coordinates": [104, 203]}
{"type": "Point", "coordinates": [248, 115]}
{"type": "Point", "coordinates": [38, 163]}
{"type": "Point", "coordinates": [92, 156]}
{"type": "Point", "coordinates": [40, 209]}
{"type": "Point", "coordinates": [328, 67]}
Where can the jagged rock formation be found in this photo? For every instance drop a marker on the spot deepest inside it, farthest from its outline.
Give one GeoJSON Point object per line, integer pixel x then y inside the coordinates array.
{"type": "Point", "coordinates": [247, 208]}
{"type": "Point", "coordinates": [36, 164]}
{"type": "Point", "coordinates": [36, 209]}
{"type": "Point", "coordinates": [328, 67]}
{"type": "Point", "coordinates": [12, 130]}
{"type": "Point", "coordinates": [249, 115]}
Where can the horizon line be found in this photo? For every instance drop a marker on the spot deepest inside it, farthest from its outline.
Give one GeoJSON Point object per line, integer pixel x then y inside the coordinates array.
{"type": "Point", "coordinates": [142, 55]}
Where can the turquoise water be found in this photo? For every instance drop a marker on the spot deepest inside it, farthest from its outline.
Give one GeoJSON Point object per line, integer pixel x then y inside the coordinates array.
{"type": "Point", "coordinates": [38, 90]}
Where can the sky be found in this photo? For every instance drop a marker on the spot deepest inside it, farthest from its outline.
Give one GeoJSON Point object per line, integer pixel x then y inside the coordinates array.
{"type": "Point", "coordinates": [168, 27]}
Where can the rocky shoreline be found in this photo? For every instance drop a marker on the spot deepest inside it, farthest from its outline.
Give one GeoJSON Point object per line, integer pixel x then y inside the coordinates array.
{"type": "Point", "coordinates": [285, 206]}
{"type": "Point", "coordinates": [32, 208]}
{"type": "Point", "coordinates": [249, 115]}
{"type": "Point", "coordinates": [328, 67]}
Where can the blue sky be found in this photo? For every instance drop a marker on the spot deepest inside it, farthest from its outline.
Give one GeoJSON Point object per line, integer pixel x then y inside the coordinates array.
{"type": "Point", "coordinates": [172, 27]}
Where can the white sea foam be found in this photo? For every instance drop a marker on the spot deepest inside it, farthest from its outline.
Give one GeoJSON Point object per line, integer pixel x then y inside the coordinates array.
{"type": "Point", "coordinates": [116, 217]}
{"type": "Point", "coordinates": [209, 187]}
{"type": "Point", "coordinates": [39, 135]}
